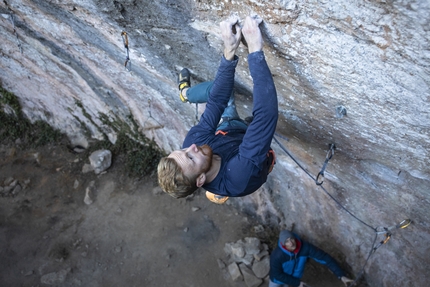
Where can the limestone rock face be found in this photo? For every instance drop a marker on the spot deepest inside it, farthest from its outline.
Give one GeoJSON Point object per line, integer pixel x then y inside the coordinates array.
{"type": "Point", "coordinates": [350, 73]}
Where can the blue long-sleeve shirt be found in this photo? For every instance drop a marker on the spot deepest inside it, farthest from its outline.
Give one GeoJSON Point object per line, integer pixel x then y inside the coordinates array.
{"type": "Point", "coordinates": [287, 267]}
{"type": "Point", "coordinates": [244, 161]}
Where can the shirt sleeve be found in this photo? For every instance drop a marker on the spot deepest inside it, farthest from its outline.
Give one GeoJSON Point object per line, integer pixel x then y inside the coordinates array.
{"type": "Point", "coordinates": [258, 137]}
{"type": "Point", "coordinates": [219, 95]}
{"type": "Point", "coordinates": [323, 258]}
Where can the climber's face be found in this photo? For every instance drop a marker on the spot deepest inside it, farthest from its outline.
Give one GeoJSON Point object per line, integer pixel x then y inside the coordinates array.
{"type": "Point", "coordinates": [193, 160]}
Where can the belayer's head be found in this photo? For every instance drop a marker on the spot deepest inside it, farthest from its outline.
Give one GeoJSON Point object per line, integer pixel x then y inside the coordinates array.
{"type": "Point", "coordinates": [184, 171]}
{"type": "Point", "coordinates": [288, 240]}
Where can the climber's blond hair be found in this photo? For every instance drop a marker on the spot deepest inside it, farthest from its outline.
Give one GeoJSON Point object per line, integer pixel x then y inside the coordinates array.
{"type": "Point", "coordinates": [172, 179]}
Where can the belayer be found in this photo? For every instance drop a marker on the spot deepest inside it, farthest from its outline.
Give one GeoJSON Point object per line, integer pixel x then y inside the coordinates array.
{"type": "Point", "coordinates": [225, 155]}
{"type": "Point", "coordinates": [288, 260]}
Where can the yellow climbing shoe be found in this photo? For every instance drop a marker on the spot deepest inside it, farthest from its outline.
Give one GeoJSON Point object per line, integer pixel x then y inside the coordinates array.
{"type": "Point", "coordinates": [184, 81]}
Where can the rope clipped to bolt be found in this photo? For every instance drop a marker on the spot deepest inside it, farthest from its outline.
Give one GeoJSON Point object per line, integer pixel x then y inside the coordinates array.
{"type": "Point", "coordinates": [330, 153]}
{"type": "Point", "coordinates": [319, 180]}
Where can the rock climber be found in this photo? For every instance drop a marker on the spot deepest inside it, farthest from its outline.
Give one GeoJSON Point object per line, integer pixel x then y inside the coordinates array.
{"type": "Point", "coordinates": [222, 154]}
{"type": "Point", "coordinates": [288, 260]}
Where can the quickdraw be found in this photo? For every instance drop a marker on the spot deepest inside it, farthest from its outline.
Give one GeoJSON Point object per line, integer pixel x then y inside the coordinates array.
{"type": "Point", "coordinates": [386, 230]}
{"type": "Point", "coordinates": [329, 155]}
{"type": "Point", "coordinates": [379, 230]}
{"type": "Point", "coordinates": [127, 63]}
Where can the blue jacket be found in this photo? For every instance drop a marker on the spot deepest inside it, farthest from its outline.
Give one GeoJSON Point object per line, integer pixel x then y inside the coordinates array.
{"type": "Point", "coordinates": [287, 267]}
{"type": "Point", "coordinates": [244, 161]}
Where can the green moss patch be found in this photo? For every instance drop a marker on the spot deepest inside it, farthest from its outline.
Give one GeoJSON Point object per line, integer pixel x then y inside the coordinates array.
{"type": "Point", "coordinates": [13, 124]}
{"type": "Point", "coordinates": [140, 158]}
{"type": "Point", "coordinates": [140, 154]}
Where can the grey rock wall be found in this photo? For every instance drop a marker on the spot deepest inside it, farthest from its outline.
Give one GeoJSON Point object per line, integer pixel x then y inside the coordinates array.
{"type": "Point", "coordinates": [64, 60]}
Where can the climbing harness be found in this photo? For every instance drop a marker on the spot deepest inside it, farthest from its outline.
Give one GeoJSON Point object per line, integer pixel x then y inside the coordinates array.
{"type": "Point", "coordinates": [127, 63]}
{"type": "Point", "coordinates": [272, 157]}
{"type": "Point", "coordinates": [319, 179]}
{"type": "Point", "coordinates": [220, 132]}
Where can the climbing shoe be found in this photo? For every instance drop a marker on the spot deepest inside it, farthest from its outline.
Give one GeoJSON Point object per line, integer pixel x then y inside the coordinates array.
{"type": "Point", "coordinates": [218, 199]}
{"type": "Point", "coordinates": [184, 78]}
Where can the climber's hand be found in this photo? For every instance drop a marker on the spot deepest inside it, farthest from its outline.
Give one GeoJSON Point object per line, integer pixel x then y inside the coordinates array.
{"type": "Point", "coordinates": [252, 33]}
{"type": "Point", "coordinates": [231, 39]}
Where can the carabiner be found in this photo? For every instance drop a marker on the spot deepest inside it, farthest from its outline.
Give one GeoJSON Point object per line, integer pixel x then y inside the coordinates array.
{"type": "Point", "coordinates": [127, 63]}
{"type": "Point", "coordinates": [124, 39]}
{"type": "Point", "coordinates": [322, 180]}
{"type": "Point", "coordinates": [403, 224]}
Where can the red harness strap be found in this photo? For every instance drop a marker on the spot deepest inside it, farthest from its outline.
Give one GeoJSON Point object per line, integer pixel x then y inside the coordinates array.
{"type": "Point", "coordinates": [271, 152]}
{"type": "Point", "coordinates": [221, 132]}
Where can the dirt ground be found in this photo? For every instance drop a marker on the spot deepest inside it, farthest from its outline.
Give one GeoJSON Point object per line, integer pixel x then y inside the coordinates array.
{"type": "Point", "coordinates": [131, 235]}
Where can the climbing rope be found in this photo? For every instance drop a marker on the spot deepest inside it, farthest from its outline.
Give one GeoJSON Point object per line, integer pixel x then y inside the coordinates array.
{"type": "Point", "coordinates": [127, 63]}
{"type": "Point", "coordinates": [319, 179]}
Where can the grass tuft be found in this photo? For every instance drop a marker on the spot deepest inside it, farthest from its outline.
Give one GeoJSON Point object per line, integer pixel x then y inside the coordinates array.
{"type": "Point", "coordinates": [13, 124]}
{"type": "Point", "coordinates": [141, 155]}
